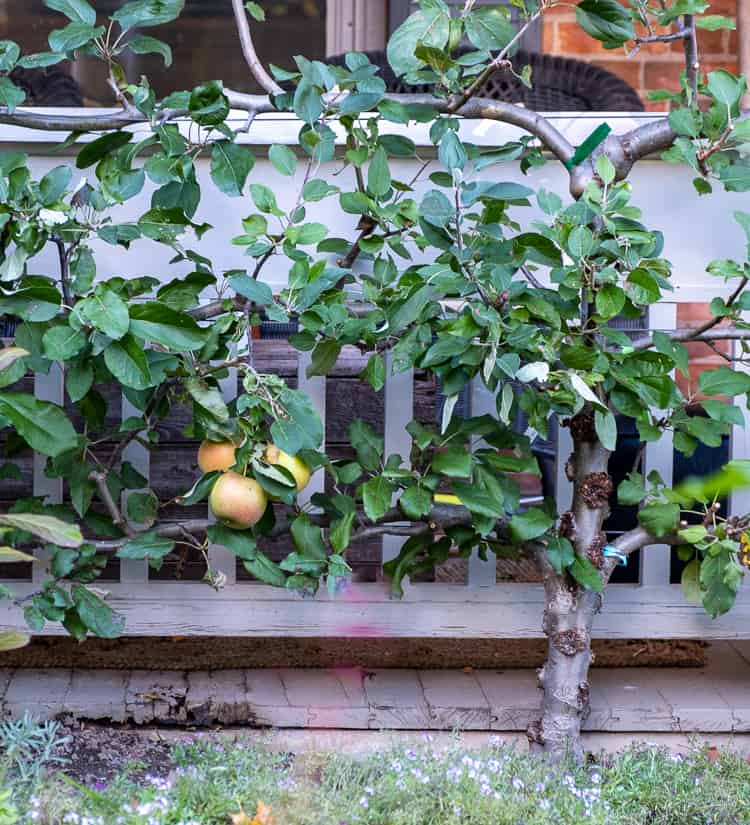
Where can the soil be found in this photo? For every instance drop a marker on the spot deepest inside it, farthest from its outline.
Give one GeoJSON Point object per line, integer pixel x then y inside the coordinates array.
{"type": "Point", "coordinates": [95, 754]}
{"type": "Point", "coordinates": [205, 653]}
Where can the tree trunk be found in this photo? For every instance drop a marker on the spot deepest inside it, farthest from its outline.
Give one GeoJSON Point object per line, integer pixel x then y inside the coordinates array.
{"type": "Point", "coordinates": [570, 609]}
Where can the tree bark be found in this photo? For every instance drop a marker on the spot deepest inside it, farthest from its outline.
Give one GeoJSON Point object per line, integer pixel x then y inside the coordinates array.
{"type": "Point", "coordinates": [570, 608]}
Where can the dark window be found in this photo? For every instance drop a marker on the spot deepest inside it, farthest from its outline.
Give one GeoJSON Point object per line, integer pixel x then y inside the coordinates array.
{"type": "Point", "coordinates": [203, 40]}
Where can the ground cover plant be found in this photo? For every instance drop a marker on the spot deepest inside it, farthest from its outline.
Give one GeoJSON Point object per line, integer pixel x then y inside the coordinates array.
{"type": "Point", "coordinates": [223, 781]}
{"type": "Point", "coordinates": [440, 272]}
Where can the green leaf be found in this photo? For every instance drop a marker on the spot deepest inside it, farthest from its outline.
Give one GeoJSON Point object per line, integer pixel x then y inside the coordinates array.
{"type": "Point", "coordinates": [148, 546]}
{"type": "Point", "coordinates": [659, 518]}
{"type": "Point", "coordinates": [176, 331]}
{"type": "Point", "coordinates": [718, 595]}
{"type": "Point", "coordinates": [454, 462]}
{"type": "Point", "coordinates": [324, 357]}
{"type": "Point", "coordinates": [239, 542]}
{"type": "Point", "coordinates": [101, 147]}
{"type": "Point", "coordinates": [255, 291]}
{"type": "Point", "coordinates": [690, 581]}
{"type": "Point", "coordinates": [143, 44]}
{"type": "Point", "coordinates": [79, 11]}
{"type": "Point", "coordinates": [429, 26]}
{"type": "Point", "coordinates": [631, 490]}
{"type": "Point", "coordinates": [127, 362]}
{"type": "Point", "coordinates": [9, 356]}
{"type": "Point", "coordinates": [54, 183]}
{"type": "Point", "coordinates": [230, 166]}
{"type": "Point", "coordinates": [367, 444]}
{"type": "Point", "coordinates": [147, 13]}
{"type": "Point", "coordinates": [489, 28]}
{"type": "Point", "coordinates": [107, 311]}
{"type": "Point", "coordinates": [208, 105]}
{"type": "Point", "coordinates": [51, 530]}
{"type": "Point", "coordinates": [207, 396]}
{"type": "Point", "coordinates": [452, 153]}
{"type": "Point", "coordinates": [41, 60]}
{"type": "Point", "coordinates": [44, 426]}
{"type": "Point", "coordinates": [9, 54]}
{"type": "Point", "coordinates": [723, 381]}
{"type": "Point", "coordinates": [256, 11]}
{"type": "Point", "coordinates": [308, 538]}
{"type": "Point", "coordinates": [580, 242]}
{"type": "Point", "coordinates": [530, 524]}
{"type": "Point", "coordinates": [142, 507]}
{"type": "Point", "coordinates": [479, 501]}
{"type": "Point", "coordinates": [415, 502]}
{"type": "Point", "coordinates": [96, 614]}
{"type": "Point", "coordinates": [377, 494]}
{"type": "Point", "coordinates": [73, 36]}
{"type": "Point", "coordinates": [264, 199]}
{"type": "Point", "coordinates": [379, 174]}
{"type": "Point", "coordinates": [725, 87]}
{"type": "Point", "coordinates": [199, 491]}
{"type": "Point", "coordinates": [302, 428]}
{"type": "Point", "coordinates": [283, 159]}
{"type": "Point", "coordinates": [375, 372]}
{"type": "Point", "coordinates": [340, 533]}
{"type": "Point", "coordinates": [606, 21]}
{"type": "Point", "coordinates": [265, 570]}
{"type": "Point", "coordinates": [63, 342]}
{"type": "Point", "coordinates": [10, 95]}
{"type": "Point", "coordinates": [13, 640]}
{"type": "Point", "coordinates": [586, 574]}
{"type": "Point", "coordinates": [606, 429]}
{"type": "Point", "coordinates": [560, 553]}
{"type": "Point", "coordinates": [610, 300]}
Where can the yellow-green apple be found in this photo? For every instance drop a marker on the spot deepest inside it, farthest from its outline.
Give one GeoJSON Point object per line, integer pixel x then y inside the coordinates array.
{"type": "Point", "coordinates": [237, 501]}
{"type": "Point", "coordinates": [216, 455]}
{"type": "Point", "coordinates": [296, 466]}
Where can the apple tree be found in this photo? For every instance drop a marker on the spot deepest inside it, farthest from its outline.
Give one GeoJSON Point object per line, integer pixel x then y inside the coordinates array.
{"type": "Point", "coordinates": [442, 272]}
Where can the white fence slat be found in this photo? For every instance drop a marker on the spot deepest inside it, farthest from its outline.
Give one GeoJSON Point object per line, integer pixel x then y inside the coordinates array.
{"type": "Point", "coordinates": [221, 559]}
{"type": "Point", "coordinates": [49, 387]}
{"type": "Point", "coordinates": [133, 571]}
{"type": "Point", "coordinates": [315, 387]}
{"type": "Point", "coordinates": [563, 486]}
{"type": "Point", "coordinates": [399, 411]}
{"type": "Point", "coordinates": [481, 402]}
{"type": "Point", "coordinates": [739, 443]}
{"type": "Point", "coordinates": [659, 456]}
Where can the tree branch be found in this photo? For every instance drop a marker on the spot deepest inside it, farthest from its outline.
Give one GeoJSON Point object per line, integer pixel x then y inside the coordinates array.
{"type": "Point", "coordinates": [248, 50]}
{"type": "Point", "coordinates": [100, 479]}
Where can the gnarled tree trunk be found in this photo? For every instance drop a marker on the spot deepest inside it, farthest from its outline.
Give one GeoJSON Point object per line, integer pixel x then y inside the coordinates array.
{"type": "Point", "coordinates": [570, 608]}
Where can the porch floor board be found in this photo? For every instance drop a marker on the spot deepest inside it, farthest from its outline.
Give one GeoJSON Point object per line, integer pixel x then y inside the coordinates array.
{"type": "Point", "coordinates": [714, 699]}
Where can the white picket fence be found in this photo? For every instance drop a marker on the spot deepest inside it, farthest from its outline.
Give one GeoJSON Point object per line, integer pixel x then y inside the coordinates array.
{"type": "Point", "coordinates": [481, 608]}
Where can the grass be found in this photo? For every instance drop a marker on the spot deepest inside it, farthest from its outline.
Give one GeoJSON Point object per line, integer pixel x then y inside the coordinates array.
{"type": "Point", "coordinates": [429, 784]}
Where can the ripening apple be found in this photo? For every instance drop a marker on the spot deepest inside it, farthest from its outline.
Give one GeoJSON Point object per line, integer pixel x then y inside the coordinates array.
{"type": "Point", "coordinates": [237, 501]}
{"type": "Point", "coordinates": [296, 466]}
{"type": "Point", "coordinates": [216, 455]}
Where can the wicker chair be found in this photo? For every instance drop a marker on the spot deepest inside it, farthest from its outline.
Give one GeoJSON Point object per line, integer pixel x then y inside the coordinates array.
{"type": "Point", "coordinates": [47, 87]}
{"type": "Point", "coordinates": [559, 84]}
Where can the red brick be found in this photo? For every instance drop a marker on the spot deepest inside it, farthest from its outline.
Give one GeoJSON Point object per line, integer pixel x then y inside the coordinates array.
{"type": "Point", "coordinates": [693, 313]}
{"type": "Point", "coordinates": [725, 7]}
{"type": "Point", "coordinates": [653, 106]}
{"type": "Point", "coordinates": [708, 43]}
{"type": "Point", "coordinates": [573, 40]}
{"type": "Point", "coordinates": [732, 45]}
{"type": "Point", "coordinates": [662, 74]}
{"type": "Point", "coordinates": [729, 64]}
{"type": "Point", "coordinates": [549, 37]}
{"type": "Point", "coordinates": [631, 71]}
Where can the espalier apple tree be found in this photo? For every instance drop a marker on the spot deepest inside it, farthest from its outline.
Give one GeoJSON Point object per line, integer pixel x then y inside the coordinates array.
{"type": "Point", "coordinates": [450, 280]}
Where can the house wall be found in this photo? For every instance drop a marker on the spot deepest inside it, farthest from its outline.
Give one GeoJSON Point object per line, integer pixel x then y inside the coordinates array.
{"type": "Point", "coordinates": [656, 66]}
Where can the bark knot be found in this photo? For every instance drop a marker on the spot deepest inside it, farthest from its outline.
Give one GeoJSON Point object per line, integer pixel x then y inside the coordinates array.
{"type": "Point", "coordinates": [567, 528]}
{"type": "Point", "coordinates": [596, 490]}
{"type": "Point", "coordinates": [582, 427]}
{"type": "Point", "coordinates": [595, 550]}
{"type": "Point", "coordinates": [570, 642]}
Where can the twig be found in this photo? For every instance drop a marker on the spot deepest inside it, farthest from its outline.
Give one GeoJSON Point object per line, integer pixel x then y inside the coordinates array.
{"type": "Point", "coordinates": [690, 46]}
{"type": "Point", "coordinates": [100, 479]}
{"type": "Point", "coordinates": [62, 255]}
{"type": "Point", "coordinates": [248, 50]}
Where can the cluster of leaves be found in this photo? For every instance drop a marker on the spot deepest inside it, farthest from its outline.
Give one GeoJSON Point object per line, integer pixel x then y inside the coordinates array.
{"type": "Point", "coordinates": [443, 274]}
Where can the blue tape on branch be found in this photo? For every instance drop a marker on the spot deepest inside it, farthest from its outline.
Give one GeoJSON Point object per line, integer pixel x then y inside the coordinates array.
{"type": "Point", "coordinates": [611, 552]}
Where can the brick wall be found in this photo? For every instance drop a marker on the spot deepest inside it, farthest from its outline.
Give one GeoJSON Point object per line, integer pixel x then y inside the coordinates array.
{"type": "Point", "coordinates": [656, 66]}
